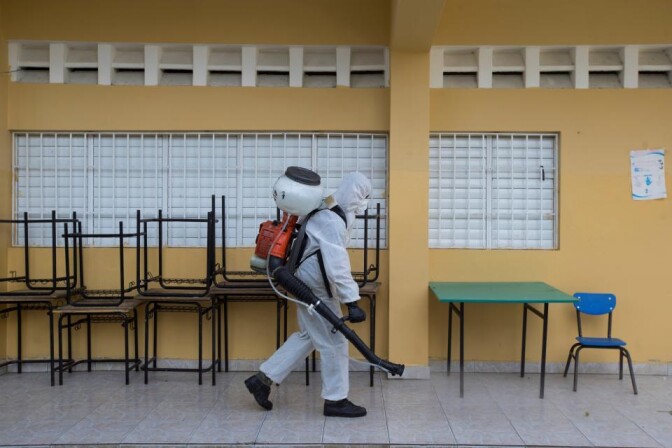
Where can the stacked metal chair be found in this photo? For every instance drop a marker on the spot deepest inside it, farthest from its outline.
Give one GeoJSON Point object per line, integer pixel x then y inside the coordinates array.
{"type": "Point", "coordinates": [35, 294]}
{"type": "Point", "coordinates": [241, 286]}
{"type": "Point", "coordinates": [96, 306]}
{"type": "Point", "coordinates": [162, 294]}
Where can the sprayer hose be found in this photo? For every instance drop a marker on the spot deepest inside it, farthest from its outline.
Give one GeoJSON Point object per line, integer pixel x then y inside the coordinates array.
{"type": "Point", "coordinates": [302, 292]}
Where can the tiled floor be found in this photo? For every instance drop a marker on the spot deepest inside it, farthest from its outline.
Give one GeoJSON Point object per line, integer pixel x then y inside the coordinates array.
{"type": "Point", "coordinates": [498, 409]}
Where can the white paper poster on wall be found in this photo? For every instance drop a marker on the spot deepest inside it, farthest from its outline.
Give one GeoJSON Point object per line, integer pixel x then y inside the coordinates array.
{"type": "Point", "coordinates": [647, 167]}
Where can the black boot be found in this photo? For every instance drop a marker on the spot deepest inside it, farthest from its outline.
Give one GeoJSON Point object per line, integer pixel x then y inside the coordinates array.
{"type": "Point", "coordinates": [343, 408]}
{"type": "Point", "coordinates": [260, 391]}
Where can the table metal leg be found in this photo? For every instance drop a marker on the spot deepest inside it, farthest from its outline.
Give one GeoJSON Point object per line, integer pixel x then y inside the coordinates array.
{"type": "Point", "coordinates": [544, 338]}
{"type": "Point", "coordinates": [543, 352]}
{"type": "Point", "coordinates": [459, 312]}
{"type": "Point", "coordinates": [523, 345]}
{"type": "Point", "coordinates": [461, 349]}
{"type": "Point", "coordinates": [450, 337]}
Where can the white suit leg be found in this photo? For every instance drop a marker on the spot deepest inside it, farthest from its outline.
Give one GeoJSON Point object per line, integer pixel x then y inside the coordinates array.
{"type": "Point", "coordinates": [283, 361]}
{"type": "Point", "coordinates": [333, 348]}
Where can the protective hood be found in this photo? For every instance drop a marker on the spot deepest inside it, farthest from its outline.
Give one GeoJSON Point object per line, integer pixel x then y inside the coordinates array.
{"type": "Point", "coordinates": [352, 195]}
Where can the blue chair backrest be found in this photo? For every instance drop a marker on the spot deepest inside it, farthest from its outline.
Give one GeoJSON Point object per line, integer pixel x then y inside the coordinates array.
{"type": "Point", "coordinates": [595, 303]}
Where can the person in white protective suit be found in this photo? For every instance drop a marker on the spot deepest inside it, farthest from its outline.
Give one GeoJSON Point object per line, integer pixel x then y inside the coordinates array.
{"type": "Point", "coordinates": [327, 232]}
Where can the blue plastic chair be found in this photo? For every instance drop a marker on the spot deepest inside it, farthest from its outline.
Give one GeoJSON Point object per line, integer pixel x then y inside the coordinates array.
{"type": "Point", "coordinates": [597, 304]}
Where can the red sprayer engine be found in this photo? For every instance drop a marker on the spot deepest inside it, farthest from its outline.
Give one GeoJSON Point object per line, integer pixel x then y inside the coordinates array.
{"type": "Point", "coordinates": [275, 237]}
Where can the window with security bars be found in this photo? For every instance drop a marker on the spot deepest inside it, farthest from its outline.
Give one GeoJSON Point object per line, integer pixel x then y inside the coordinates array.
{"type": "Point", "coordinates": [106, 177]}
{"type": "Point", "coordinates": [493, 191]}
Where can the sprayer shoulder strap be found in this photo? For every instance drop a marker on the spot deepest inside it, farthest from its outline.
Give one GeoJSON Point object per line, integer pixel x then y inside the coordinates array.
{"type": "Point", "coordinates": [296, 258]}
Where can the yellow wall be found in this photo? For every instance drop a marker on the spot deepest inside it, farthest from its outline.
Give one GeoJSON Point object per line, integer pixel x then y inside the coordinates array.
{"type": "Point", "coordinates": [83, 108]}
{"type": "Point", "coordinates": [560, 22]}
{"type": "Point", "coordinates": [68, 107]}
{"type": "Point", "coordinates": [287, 22]}
{"type": "Point", "coordinates": [607, 241]}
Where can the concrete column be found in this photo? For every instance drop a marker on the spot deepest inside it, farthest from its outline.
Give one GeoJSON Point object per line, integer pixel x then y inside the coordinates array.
{"type": "Point", "coordinates": [408, 211]}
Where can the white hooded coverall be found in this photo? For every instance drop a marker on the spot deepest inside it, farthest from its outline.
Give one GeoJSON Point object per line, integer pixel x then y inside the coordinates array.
{"type": "Point", "coordinates": [327, 232]}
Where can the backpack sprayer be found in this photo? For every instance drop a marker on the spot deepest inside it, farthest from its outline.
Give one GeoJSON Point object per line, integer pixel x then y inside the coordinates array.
{"type": "Point", "coordinates": [297, 193]}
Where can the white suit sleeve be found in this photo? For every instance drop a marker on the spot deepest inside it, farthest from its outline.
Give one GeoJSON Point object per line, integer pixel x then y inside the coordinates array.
{"type": "Point", "coordinates": [331, 236]}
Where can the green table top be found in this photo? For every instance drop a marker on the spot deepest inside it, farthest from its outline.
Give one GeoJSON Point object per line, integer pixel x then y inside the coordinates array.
{"type": "Point", "coordinates": [505, 292]}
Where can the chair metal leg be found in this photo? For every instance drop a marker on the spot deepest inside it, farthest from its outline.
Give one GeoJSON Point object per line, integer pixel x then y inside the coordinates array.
{"type": "Point", "coordinates": [225, 302]}
{"type": "Point", "coordinates": [60, 350]}
{"type": "Point", "coordinates": [219, 335]}
{"type": "Point", "coordinates": [88, 343]}
{"type": "Point", "coordinates": [199, 311]}
{"type": "Point", "coordinates": [19, 357]}
{"type": "Point", "coordinates": [576, 368]}
{"type": "Point", "coordinates": [632, 372]}
{"type": "Point", "coordinates": [135, 335]}
{"type": "Point", "coordinates": [569, 358]}
{"type": "Point", "coordinates": [51, 345]}
{"type": "Point", "coordinates": [155, 342]}
{"type": "Point", "coordinates": [213, 343]}
{"type": "Point", "coordinates": [126, 368]}
{"type": "Point", "coordinates": [148, 310]}
{"type": "Point", "coordinates": [69, 341]}
{"type": "Point", "coordinates": [620, 365]}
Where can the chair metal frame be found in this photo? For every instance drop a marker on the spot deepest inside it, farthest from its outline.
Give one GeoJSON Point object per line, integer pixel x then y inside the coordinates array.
{"type": "Point", "coordinates": [35, 298]}
{"type": "Point", "coordinates": [173, 296]}
{"type": "Point", "coordinates": [598, 343]}
{"type": "Point", "coordinates": [94, 297]}
{"type": "Point", "coordinates": [90, 306]}
{"type": "Point", "coordinates": [241, 286]}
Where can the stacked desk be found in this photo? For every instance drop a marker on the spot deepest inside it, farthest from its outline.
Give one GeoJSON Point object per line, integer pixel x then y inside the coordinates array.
{"type": "Point", "coordinates": [526, 293]}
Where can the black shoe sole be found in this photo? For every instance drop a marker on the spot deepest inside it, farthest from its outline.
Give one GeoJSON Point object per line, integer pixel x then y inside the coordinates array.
{"type": "Point", "coordinates": [260, 396]}
{"type": "Point", "coordinates": [338, 414]}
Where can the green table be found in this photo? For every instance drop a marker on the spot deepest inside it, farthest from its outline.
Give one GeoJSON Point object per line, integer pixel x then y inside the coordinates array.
{"type": "Point", "coordinates": [526, 293]}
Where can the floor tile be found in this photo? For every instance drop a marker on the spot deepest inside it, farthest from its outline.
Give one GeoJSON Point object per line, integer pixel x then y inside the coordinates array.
{"type": "Point", "coordinates": [498, 409]}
